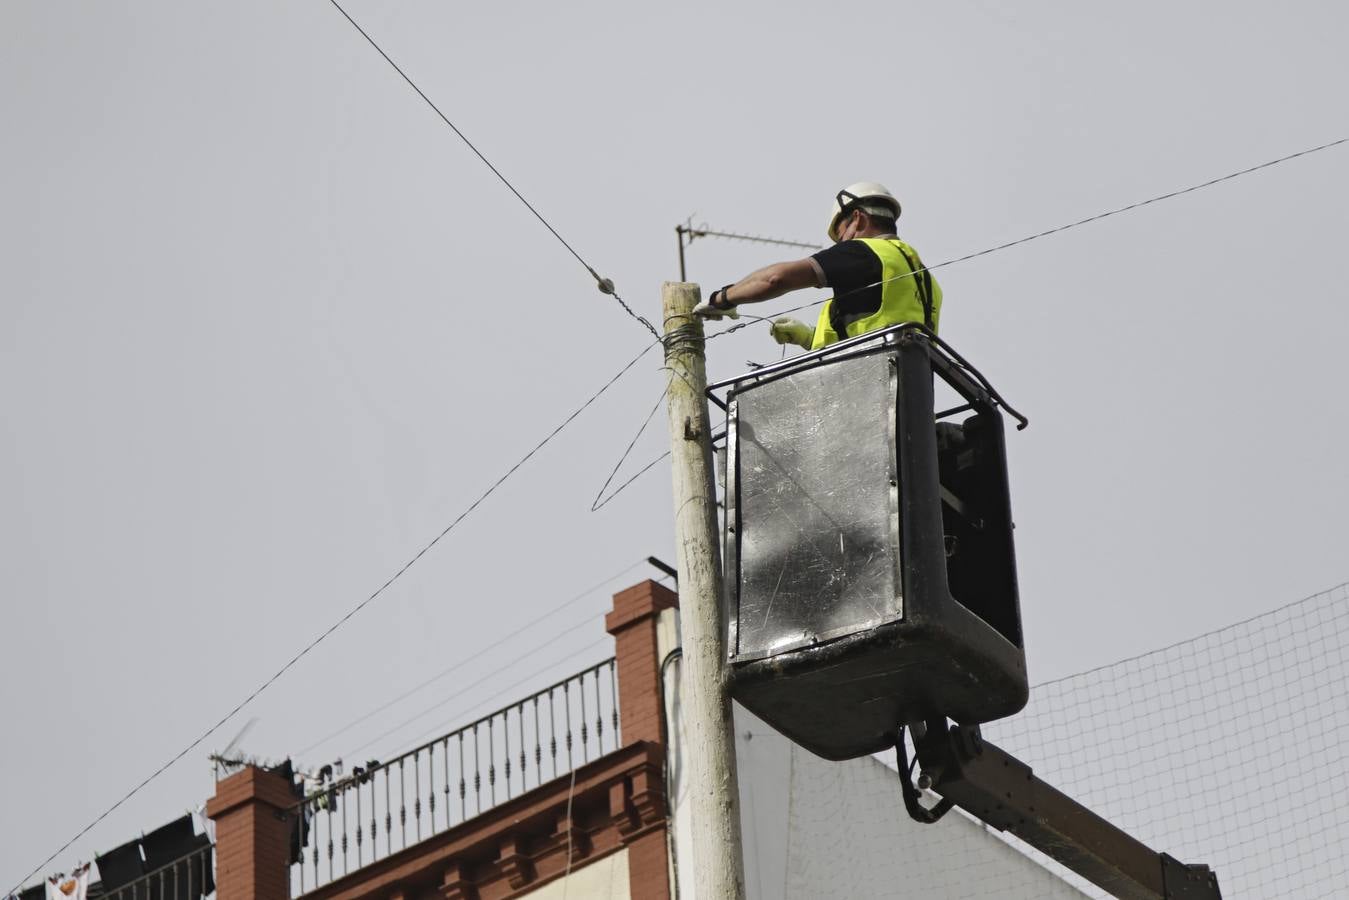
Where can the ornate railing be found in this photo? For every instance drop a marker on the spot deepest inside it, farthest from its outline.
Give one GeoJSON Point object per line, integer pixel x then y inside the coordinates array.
{"type": "Point", "coordinates": [377, 811]}
{"type": "Point", "coordinates": [188, 878]}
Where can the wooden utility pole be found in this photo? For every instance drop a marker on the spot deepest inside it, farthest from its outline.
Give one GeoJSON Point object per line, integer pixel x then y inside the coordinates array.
{"type": "Point", "coordinates": [718, 866]}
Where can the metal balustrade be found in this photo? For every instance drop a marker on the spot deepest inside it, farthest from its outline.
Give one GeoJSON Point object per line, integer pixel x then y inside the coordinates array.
{"type": "Point", "coordinates": [188, 878]}
{"type": "Point", "coordinates": [374, 812]}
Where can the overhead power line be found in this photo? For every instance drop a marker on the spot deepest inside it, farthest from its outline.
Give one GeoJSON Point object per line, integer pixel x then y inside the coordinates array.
{"type": "Point", "coordinates": [593, 645]}
{"type": "Point", "coordinates": [638, 474]}
{"type": "Point", "coordinates": [600, 500]}
{"type": "Point", "coordinates": [950, 262]}
{"type": "Point", "coordinates": [345, 618]}
{"type": "Point", "coordinates": [568, 420]}
{"type": "Point", "coordinates": [1032, 237]}
{"type": "Point", "coordinates": [605, 285]}
{"type": "Point", "coordinates": [476, 656]}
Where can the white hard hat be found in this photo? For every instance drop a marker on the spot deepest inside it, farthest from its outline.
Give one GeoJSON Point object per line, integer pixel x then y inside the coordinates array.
{"type": "Point", "coordinates": [868, 196]}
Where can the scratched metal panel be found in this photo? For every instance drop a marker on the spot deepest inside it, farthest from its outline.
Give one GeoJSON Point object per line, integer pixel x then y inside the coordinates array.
{"type": "Point", "coordinates": [816, 506]}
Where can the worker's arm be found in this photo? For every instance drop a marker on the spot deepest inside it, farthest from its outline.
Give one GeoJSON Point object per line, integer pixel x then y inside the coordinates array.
{"type": "Point", "coordinates": [774, 281]}
{"type": "Point", "coordinates": [764, 284]}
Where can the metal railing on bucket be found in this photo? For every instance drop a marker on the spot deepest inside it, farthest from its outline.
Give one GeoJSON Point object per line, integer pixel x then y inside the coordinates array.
{"type": "Point", "coordinates": [380, 809]}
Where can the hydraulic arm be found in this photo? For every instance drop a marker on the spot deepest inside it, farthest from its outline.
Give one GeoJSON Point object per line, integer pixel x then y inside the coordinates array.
{"type": "Point", "coordinates": [1000, 790]}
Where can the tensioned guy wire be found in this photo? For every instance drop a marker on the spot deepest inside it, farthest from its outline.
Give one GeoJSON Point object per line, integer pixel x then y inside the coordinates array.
{"type": "Point", "coordinates": [605, 285]}
{"type": "Point", "coordinates": [600, 500]}
{"type": "Point", "coordinates": [343, 620]}
{"type": "Point", "coordinates": [638, 474]}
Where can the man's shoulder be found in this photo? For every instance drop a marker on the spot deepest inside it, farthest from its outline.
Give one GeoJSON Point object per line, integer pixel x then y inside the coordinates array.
{"type": "Point", "coordinates": [856, 248]}
{"type": "Point", "coordinates": [848, 263]}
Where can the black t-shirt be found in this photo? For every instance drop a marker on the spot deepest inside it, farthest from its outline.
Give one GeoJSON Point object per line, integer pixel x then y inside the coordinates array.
{"type": "Point", "coordinates": [853, 271]}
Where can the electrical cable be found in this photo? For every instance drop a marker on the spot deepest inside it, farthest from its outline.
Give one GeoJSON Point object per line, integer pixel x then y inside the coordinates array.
{"type": "Point", "coordinates": [605, 285]}
{"type": "Point", "coordinates": [676, 654]}
{"type": "Point", "coordinates": [463, 662]}
{"type": "Point", "coordinates": [598, 503]}
{"type": "Point", "coordinates": [439, 728]}
{"type": "Point", "coordinates": [919, 813]}
{"type": "Point", "coordinates": [529, 654]}
{"type": "Point", "coordinates": [1056, 230]}
{"type": "Point", "coordinates": [344, 619]}
{"type": "Point", "coordinates": [671, 801]}
{"type": "Point", "coordinates": [950, 262]}
{"type": "Point", "coordinates": [638, 474]}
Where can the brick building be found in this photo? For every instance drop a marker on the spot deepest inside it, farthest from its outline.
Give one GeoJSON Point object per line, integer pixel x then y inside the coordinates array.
{"type": "Point", "coordinates": [578, 791]}
{"type": "Point", "coordinates": [560, 793]}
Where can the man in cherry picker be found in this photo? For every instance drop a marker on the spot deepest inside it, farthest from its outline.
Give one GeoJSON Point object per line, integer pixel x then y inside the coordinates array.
{"type": "Point", "coordinates": [869, 269]}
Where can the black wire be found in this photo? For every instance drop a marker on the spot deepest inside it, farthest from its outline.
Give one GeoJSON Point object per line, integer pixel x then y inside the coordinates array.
{"type": "Point", "coordinates": [1141, 203]}
{"type": "Point", "coordinates": [676, 653]}
{"type": "Point", "coordinates": [1046, 233]}
{"type": "Point", "coordinates": [987, 386]}
{"type": "Point", "coordinates": [605, 285]}
{"type": "Point", "coordinates": [342, 621]}
{"type": "Point", "coordinates": [587, 622]}
{"type": "Point", "coordinates": [598, 503]}
{"type": "Point", "coordinates": [638, 474]}
{"type": "Point", "coordinates": [478, 655]}
{"type": "Point", "coordinates": [462, 136]}
{"type": "Point", "coordinates": [567, 421]}
{"type": "Point", "coordinates": [916, 810]}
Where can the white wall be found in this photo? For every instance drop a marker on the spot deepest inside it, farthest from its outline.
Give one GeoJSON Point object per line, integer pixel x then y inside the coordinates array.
{"type": "Point", "coordinates": [817, 830]}
{"type": "Point", "coordinates": [605, 879]}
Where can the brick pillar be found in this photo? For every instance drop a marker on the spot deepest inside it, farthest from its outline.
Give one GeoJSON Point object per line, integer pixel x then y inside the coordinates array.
{"type": "Point", "coordinates": [633, 625]}
{"type": "Point", "coordinates": [649, 867]}
{"type": "Point", "coordinates": [641, 798]}
{"type": "Point", "coordinates": [252, 835]}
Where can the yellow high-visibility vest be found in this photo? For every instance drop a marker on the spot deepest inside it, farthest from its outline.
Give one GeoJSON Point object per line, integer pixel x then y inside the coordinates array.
{"type": "Point", "coordinates": [904, 297]}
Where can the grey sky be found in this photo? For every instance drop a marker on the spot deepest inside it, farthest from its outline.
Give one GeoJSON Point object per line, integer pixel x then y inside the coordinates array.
{"type": "Point", "coordinates": [271, 326]}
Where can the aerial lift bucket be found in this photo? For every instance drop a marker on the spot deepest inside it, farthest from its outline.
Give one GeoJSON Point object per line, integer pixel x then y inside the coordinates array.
{"type": "Point", "coordinates": [870, 570]}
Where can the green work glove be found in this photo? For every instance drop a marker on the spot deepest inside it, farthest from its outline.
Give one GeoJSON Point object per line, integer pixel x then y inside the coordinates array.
{"type": "Point", "coordinates": [786, 330]}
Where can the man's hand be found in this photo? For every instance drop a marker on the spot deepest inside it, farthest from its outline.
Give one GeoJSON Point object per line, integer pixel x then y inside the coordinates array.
{"type": "Point", "coordinates": [716, 306]}
{"type": "Point", "coordinates": [786, 330]}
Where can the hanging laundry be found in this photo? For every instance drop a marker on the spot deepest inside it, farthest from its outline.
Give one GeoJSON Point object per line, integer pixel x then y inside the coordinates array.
{"type": "Point", "coordinates": [315, 782]}
{"type": "Point", "coordinates": [74, 886]}
{"type": "Point", "coordinates": [204, 823]}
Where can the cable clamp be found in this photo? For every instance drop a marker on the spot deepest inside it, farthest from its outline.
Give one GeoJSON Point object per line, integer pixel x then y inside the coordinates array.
{"type": "Point", "coordinates": [606, 285]}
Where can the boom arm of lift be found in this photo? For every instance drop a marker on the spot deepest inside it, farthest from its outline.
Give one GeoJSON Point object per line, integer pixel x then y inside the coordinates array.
{"type": "Point", "coordinates": [1000, 790]}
